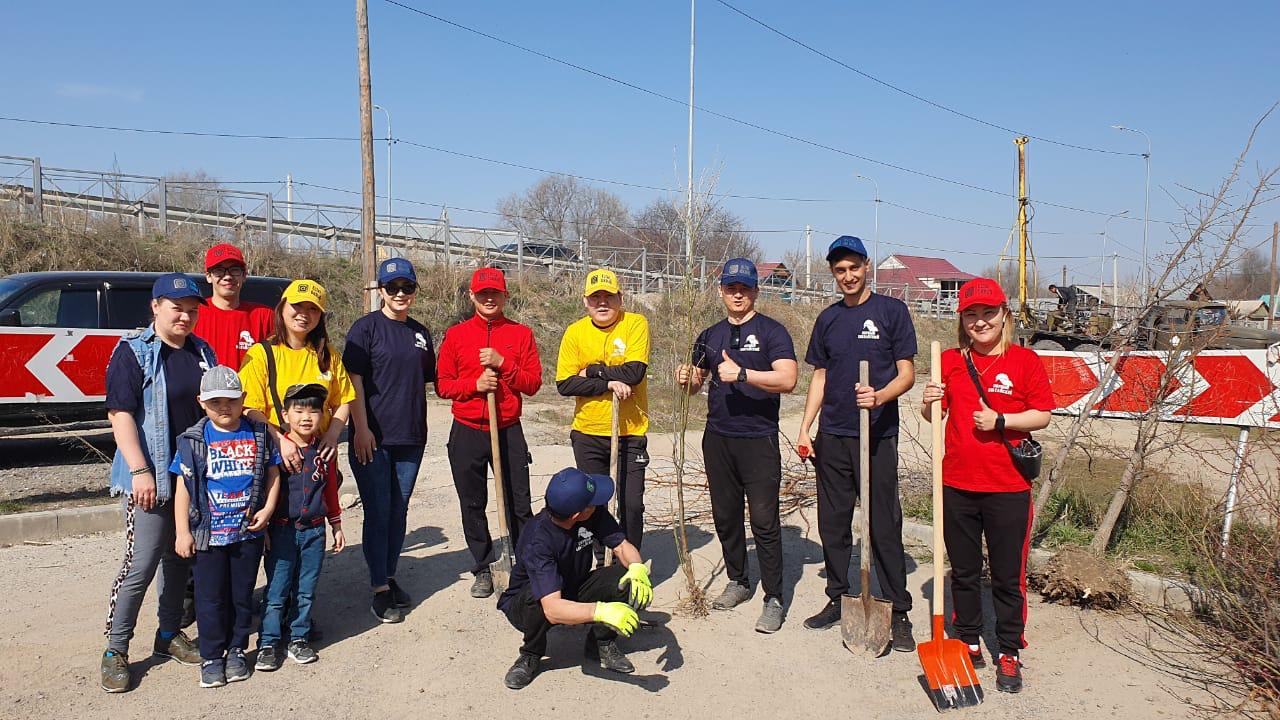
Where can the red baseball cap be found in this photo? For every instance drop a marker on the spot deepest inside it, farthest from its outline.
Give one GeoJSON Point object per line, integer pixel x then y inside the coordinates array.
{"type": "Point", "coordinates": [981, 291]}
{"type": "Point", "coordinates": [221, 253]}
{"type": "Point", "coordinates": [488, 278]}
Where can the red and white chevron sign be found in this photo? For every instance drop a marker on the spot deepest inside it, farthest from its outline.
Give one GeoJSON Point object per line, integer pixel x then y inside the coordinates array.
{"type": "Point", "coordinates": [1221, 387]}
{"type": "Point", "coordinates": [55, 366]}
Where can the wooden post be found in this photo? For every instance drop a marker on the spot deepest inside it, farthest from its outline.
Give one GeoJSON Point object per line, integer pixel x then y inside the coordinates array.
{"type": "Point", "coordinates": [367, 216]}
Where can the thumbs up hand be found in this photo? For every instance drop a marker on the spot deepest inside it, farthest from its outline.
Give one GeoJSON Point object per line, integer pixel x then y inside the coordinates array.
{"type": "Point", "coordinates": [985, 419]}
{"type": "Point", "coordinates": [727, 369]}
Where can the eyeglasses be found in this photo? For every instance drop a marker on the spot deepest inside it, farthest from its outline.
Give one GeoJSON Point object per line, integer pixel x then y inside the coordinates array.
{"type": "Point", "coordinates": [234, 271]}
{"type": "Point", "coordinates": [401, 288]}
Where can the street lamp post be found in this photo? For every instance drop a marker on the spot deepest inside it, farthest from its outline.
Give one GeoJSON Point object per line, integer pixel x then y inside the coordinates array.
{"type": "Point", "coordinates": [1146, 206]}
{"type": "Point", "coordinates": [389, 141]}
{"type": "Point", "coordinates": [875, 265]}
{"type": "Point", "coordinates": [1102, 272]}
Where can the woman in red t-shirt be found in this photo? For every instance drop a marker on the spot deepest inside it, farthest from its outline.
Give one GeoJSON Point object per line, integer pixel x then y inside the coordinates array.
{"type": "Point", "coordinates": [983, 493]}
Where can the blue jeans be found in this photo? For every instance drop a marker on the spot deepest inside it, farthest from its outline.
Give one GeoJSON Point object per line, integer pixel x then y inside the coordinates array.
{"type": "Point", "coordinates": [294, 554]}
{"type": "Point", "coordinates": [386, 483]}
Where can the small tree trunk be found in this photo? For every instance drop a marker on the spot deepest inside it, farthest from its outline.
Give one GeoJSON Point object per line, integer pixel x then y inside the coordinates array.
{"type": "Point", "coordinates": [1128, 479]}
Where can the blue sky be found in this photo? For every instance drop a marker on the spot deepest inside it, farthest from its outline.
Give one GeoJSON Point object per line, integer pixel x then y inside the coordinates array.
{"type": "Point", "coordinates": [1195, 78]}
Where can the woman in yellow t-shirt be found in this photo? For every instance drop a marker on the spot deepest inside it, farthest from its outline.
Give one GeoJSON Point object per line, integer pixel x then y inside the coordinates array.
{"type": "Point", "coordinates": [303, 355]}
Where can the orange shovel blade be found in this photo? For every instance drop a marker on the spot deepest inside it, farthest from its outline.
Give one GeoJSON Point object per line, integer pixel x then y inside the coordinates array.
{"type": "Point", "coordinates": [948, 672]}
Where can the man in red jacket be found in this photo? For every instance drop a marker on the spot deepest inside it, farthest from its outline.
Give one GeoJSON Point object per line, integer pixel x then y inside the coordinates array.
{"type": "Point", "coordinates": [488, 353]}
{"type": "Point", "coordinates": [230, 326]}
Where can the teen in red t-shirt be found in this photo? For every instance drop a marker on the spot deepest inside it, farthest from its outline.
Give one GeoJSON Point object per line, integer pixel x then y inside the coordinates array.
{"type": "Point", "coordinates": [230, 326]}
{"type": "Point", "coordinates": [983, 493]}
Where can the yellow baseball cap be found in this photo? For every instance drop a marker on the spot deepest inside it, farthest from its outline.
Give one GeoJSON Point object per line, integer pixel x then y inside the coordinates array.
{"type": "Point", "coordinates": [300, 291]}
{"type": "Point", "coordinates": [598, 280]}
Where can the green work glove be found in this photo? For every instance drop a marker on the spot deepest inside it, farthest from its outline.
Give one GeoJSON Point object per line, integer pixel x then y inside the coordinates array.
{"type": "Point", "coordinates": [641, 588]}
{"type": "Point", "coordinates": [618, 616]}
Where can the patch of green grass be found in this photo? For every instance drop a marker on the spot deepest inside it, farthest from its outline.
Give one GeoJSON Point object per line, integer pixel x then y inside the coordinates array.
{"type": "Point", "coordinates": [11, 506]}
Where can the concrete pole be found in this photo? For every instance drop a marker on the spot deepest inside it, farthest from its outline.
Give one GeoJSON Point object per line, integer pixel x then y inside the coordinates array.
{"type": "Point", "coordinates": [162, 205]}
{"type": "Point", "coordinates": [368, 218]}
{"type": "Point", "coordinates": [1271, 301]}
{"type": "Point", "coordinates": [270, 209]}
{"type": "Point", "coordinates": [37, 191]}
{"type": "Point", "coordinates": [808, 257]}
{"type": "Point", "coordinates": [288, 196]}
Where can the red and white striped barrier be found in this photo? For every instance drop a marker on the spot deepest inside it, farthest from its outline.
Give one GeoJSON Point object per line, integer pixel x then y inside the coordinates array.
{"type": "Point", "coordinates": [55, 365]}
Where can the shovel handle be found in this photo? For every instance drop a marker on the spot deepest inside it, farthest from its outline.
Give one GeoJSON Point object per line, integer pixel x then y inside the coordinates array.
{"type": "Point", "coordinates": [939, 547]}
{"type": "Point", "coordinates": [613, 468]}
{"type": "Point", "coordinates": [864, 484]}
{"type": "Point", "coordinates": [495, 453]}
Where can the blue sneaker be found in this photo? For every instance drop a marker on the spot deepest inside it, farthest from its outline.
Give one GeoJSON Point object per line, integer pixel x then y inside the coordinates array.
{"type": "Point", "coordinates": [213, 673]}
{"type": "Point", "coordinates": [237, 666]}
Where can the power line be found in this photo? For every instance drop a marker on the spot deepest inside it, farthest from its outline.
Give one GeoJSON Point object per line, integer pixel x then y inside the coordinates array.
{"type": "Point", "coordinates": [915, 96]}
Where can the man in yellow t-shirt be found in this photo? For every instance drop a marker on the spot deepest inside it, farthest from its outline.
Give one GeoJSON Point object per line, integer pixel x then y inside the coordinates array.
{"type": "Point", "coordinates": [604, 354]}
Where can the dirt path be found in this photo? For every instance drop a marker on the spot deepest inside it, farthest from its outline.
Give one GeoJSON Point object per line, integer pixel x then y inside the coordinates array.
{"type": "Point", "coordinates": [448, 657]}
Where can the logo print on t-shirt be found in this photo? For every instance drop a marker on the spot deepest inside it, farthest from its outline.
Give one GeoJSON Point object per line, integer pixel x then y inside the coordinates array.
{"type": "Point", "coordinates": [869, 330]}
{"type": "Point", "coordinates": [245, 342]}
{"type": "Point", "coordinates": [619, 348]}
{"type": "Point", "coordinates": [1002, 385]}
{"type": "Point", "coordinates": [751, 344]}
{"type": "Point", "coordinates": [585, 539]}
{"type": "Point", "coordinates": [419, 341]}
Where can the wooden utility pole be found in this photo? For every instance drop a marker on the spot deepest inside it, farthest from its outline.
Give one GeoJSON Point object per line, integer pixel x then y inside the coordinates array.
{"type": "Point", "coordinates": [1024, 311]}
{"type": "Point", "coordinates": [1271, 301]}
{"type": "Point", "coordinates": [368, 255]}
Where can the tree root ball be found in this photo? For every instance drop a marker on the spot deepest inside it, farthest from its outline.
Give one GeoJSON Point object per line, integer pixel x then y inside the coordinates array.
{"type": "Point", "coordinates": [1078, 577]}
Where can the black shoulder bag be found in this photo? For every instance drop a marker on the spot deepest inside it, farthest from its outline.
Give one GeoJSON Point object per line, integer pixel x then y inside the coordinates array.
{"type": "Point", "coordinates": [271, 384]}
{"type": "Point", "coordinates": [1027, 455]}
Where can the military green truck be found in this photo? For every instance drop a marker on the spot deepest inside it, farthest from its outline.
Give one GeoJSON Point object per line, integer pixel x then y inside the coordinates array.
{"type": "Point", "coordinates": [1205, 324]}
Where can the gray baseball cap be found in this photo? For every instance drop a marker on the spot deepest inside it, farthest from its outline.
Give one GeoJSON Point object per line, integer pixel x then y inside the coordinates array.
{"type": "Point", "coordinates": [220, 381]}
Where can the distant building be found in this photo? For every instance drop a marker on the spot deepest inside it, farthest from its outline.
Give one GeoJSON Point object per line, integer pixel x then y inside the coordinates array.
{"type": "Point", "coordinates": [916, 279]}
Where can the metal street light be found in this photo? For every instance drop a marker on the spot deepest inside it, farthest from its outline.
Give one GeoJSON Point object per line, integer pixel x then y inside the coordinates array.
{"type": "Point", "coordinates": [1102, 272]}
{"type": "Point", "coordinates": [875, 266]}
{"type": "Point", "coordinates": [389, 141]}
{"type": "Point", "coordinates": [1146, 206]}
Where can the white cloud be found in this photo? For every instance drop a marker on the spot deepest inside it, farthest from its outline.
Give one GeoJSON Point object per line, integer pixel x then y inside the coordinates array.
{"type": "Point", "coordinates": [87, 91]}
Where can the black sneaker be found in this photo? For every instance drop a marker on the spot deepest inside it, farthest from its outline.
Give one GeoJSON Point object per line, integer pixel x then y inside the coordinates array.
{"type": "Point", "coordinates": [977, 658]}
{"type": "Point", "coordinates": [237, 667]}
{"type": "Point", "coordinates": [400, 597]}
{"type": "Point", "coordinates": [115, 672]}
{"type": "Point", "coordinates": [213, 673]}
{"type": "Point", "coordinates": [903, 640]}
{"type": "Point", "coordinates": [608, 655]}
{"type": "Point", "coordinates": [384, 608]}
{"type": "Point", "coordinates": [829, 615]}
{"type": "Point", "coordinates": [301, 653]}
{"type": "Point", "coordinates": [269, 658]}
{"type": "Point", "coordinates": [1008, 674]}
{"type": "Point", "coordinates": [482, 586]}
{"type": "Point", "coordinates": [522, 672]}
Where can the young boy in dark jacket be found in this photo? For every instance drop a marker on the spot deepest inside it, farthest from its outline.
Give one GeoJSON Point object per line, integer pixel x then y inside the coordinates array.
{"type": "Point", "coordinates": [296, 549]}
{"type": "Point", "coordinates": [228, 466]}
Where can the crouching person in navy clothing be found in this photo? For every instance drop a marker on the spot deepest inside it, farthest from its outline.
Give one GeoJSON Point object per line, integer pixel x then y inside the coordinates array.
{"type": "Point", "coordinates": [227, 465]}
{"type": "Point", "coordinates": [553, 584]}
{"type": "Point", "coordinates": [295, 552]}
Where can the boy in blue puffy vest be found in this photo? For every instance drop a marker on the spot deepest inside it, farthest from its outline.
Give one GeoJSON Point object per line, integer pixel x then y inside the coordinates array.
{"type": "Point", "coordinates": [230, 479]}
{"type": "Point", "coordinates": [296, 551]}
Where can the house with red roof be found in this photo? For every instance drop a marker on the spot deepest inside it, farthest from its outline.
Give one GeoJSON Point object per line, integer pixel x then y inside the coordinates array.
{"type": "Point", "coordinates": [913, 278]}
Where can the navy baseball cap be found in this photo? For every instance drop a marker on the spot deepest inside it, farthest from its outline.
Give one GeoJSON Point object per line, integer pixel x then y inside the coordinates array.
{"type": "Point", "coordinates": [845, 244]}
{"type": "Point", "coordinates": [572, 491]}
{"type": "Point", "coordinates": [175, 286]}
{"type": "Point", "coordinates": [740, 270]}
{"type": "Point", "coordinates": [394, 269]}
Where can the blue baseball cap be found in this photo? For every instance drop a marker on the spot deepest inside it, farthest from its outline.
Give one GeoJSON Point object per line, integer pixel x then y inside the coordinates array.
{"type": "Point", "coordinates": [845, 244]}
{"type": "Point", "coordinates": [175, 286]}
{"type": "Point", "coordinates": [572, 491]}
{"type": "Point", "coordinates": [396, 268]}
{"type": "Point", "coordinates": [740, 270]}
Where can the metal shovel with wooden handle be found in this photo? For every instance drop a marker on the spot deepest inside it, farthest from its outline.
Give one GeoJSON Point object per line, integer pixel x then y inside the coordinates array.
{"type": "Point", "coordinates": [501, 566]}
{"type": "Point", "coordinates": [865, 621]}
{"type": "Point", "coordinates": [948, 671]}
{"type": "Point", "coordinates": [613, 471]}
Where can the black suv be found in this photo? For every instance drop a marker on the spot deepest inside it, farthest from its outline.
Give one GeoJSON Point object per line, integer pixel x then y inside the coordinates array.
{"type": "Point", "coordinates": [535, 254]}
{"type": "Point", "coordinates": [70, 301]}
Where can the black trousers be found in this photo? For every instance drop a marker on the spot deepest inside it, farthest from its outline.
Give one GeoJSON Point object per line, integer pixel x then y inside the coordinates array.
{"type": "Point", "coordinates": [837, 462]}
{"type": "Point", "coordinates": [1004, 518]}
{"type": "Point", "coordinates": [470, 456]}
{"type": "Point", "coordinates": [750, 469]}
{"type": "Point", "coordinates": [525, 612]}
{"type": "Point", "coordinates": [225, 579]}
{"type": "Point", "coordinates": [591, 454]}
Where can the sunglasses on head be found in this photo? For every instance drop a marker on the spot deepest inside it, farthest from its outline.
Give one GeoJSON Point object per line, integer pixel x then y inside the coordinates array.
{"type": "Point", "coordinates": [406, 288]}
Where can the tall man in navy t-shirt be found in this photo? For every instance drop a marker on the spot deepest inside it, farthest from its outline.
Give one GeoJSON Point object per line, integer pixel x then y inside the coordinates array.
{"type": "Point", "coordinates": [861, 326]}
{"type": "Point", "coordinates": [749, 359]}
{"type": "Point", "coordinates": [553, 583]}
